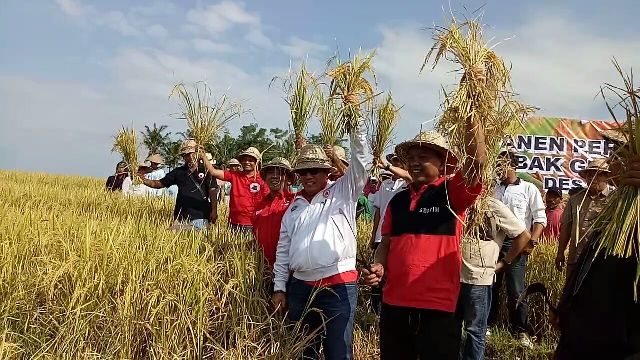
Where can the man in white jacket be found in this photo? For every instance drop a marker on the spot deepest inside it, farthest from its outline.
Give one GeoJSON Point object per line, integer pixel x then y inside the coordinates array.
{"type": "Point", "coordinates": [318, 246]}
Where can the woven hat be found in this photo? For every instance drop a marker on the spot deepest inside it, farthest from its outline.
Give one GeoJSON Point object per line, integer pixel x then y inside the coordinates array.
{"type": "Point", "coordinates": [155, 158]}
{"type": "Point", "coordinates": [253, 152]}
{"type": "Point", "coordinates": [615, 135]}
{"type": "Point", "coordinates": [312, 157]}
{"type": "Point", "coordinates": [340, 153]}
{"type": "Point", "coordinates": [597, 165]}
{"type": "Point", "coordinates": [278, 162]}
{"type": "Point", "coordinates": [429, 139]}
{"type": "Point", "coordinates": [233, 162]}
{"type": "Point", "coordinates": [188, 146]}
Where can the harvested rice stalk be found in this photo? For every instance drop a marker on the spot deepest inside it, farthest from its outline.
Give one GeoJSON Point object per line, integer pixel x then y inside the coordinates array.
{"type": "Point", "coordinates": [384, 121]}
{"type": "Point", "coordinates": [349, 82]}
{"type": "Point", "coordinates": [330, 115]}
{"type": "Point", "coordinates": [126, 143]}
{"type": "Point", "coordinates": [483, 97]}
{"type": "Point", "coordinates": [619, 222]}
{"type": "Point", "coordinates": [206, 119]}
{"type": "Point", "coordinates": [301, 91]}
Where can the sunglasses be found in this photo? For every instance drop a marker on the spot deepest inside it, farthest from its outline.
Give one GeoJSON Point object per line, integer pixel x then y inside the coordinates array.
{"type": "Point", "coordinates": [304, 172]}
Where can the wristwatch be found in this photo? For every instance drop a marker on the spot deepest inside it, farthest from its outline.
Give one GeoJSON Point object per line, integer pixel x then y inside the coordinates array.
{"type": "Point", "coordinates": [387, 167]}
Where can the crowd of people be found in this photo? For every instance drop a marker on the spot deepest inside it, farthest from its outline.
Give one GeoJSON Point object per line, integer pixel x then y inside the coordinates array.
{"type": "Point", "coordinates": [437, 295]}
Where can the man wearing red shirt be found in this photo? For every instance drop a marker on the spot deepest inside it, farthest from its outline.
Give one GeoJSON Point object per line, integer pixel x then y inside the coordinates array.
{"type": "Point", "coordinates": [247, 189]}
{"type": "Point", "coordinates": [266, 223]}
{"type": "Point", "coordinates": [420, 251]}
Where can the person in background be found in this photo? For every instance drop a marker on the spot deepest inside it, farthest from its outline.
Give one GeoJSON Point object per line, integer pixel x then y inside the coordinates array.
{"type": "Point", "coordinates": [371, 187]}
{"type": "Point", "coordinates": [155, 172]}
{"type": "Point", "coordinates": [115, 182]}
{"type": "Point", "coordinates": [247, 189]}
{"type": "Point", "coordinates": [197, 190]}
{"type": "Point", "coordinates": [139, 189]}
{"type": "Point", "coordinates": [234, 165]}
{"type": "Point", "coordinates": [582, 209]}
{"type": "Point", "coordinates": [278, 175]}
{"type": "Point", "coordinates": [364, 209]}
{"type": "Point", "coordinates": [554, 210]}
{"type": "Point", "coordinates": [479, 266]}
{"type": "Point", "coordinates": [525, 202]}
{"type": "Point", "coordinates": [420, 254]}
{"type": "Point", "coordinates": [316, 257]}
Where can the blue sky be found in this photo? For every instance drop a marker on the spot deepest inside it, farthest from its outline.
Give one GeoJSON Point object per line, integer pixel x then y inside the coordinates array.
{"type": "Point", "coordinates": [74, 71]}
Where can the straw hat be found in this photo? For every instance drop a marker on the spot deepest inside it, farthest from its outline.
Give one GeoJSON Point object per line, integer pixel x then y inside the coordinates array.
{"type": "Point", "coordinates": [233, 162]}
{"type": "Point", "coordinates": [253, 152]}
{"type": "Point", "coordinates": [341, 154]}
{"type": "Point", "coordinates": [596, 165]}
{"type": "Point", "coordinates": [188, 146]}
{"type": "Point", "coordinates": [429, 139]}
{"type": "Point", "coordinates": [615, 135]}
{"type": "Point", "coordinates": [155, 158]}
{"type": "Point", "coordinates": [278, 162]}
{"type": "Point", "coordinates": [312, 157]}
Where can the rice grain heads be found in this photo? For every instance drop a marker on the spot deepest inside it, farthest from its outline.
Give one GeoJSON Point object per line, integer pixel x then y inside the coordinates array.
{"type": "Point", "coordinates": [349, 81]}
{"type": "Point", "coordinates": [206, 118]}
{"type": "Point", "coordinates": [126, 143]}
{"type": "Point", "coordinates": [382, 123]}
{"type": "Point", "coordinates": [330, 116]}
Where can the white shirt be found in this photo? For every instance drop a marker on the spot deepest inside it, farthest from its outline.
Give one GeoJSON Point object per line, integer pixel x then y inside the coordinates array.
{"type": "Point", "coordinates": [479, 256]}
{"type": "Point", "coordinates": [156, 175]}
{"type": "Point", "coordinates": [388, 189]}
{"type": "Point", "coordinates": [524, 200]}
{"type": "Point", "coordinates": [318, 238]}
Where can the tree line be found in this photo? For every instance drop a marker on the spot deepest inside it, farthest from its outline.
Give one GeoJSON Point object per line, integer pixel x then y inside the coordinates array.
{"type": "Point", "coordinates": [273, 142]}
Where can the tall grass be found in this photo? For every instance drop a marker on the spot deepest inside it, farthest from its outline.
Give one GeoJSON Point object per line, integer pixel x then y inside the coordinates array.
{"type": "Point", "coordinates": [88, 274]}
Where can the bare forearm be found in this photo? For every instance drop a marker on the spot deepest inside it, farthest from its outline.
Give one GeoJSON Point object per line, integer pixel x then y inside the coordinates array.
{"type": "Point", "coordinates": [155, 184]}
{"type": "Point", "coordinates": [536, 231]}
{"type": "Point", "coordinates": [475, 147]}
{"type": "Point", "coordinates": [382, 251]}
{"type": "Point", "coordinates": [400, 172]}
{"type": "Point", "coordinates": [519, 243]}
{"type": "Point", "coordinates": [216, 173]}
{"type": "Point", "coordinates": [565, 236]}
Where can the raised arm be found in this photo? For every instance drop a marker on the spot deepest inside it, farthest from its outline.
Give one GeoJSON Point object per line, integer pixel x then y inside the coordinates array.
{"type": "Point", "coordinates": [341, 168]}
{"type": "Point", "coordinates": [399, 172]}
{"type": "Point", "coordinates": [216, 173]}
{"type": "Point", "coordinates": [357, 173]}
{"type": "Point", "coordinates": [476, 148]}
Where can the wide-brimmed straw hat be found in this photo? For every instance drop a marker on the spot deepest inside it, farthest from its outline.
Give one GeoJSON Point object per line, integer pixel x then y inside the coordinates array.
{"type": "Point", "coordinates": [188, 146]}
{"type": "Point", "coordinates": [595, 165]}
{"type": "Point", "coordinates": [428, 139]}
{"type": "Point", "coordinates": [341, 153]}
{"type": "Point", "coordinates": [312, 157]}
{"type": "Point", "coordinates": [233, 162]}
{"type": "Point", "coordinates": [278, 162]}
{"type": "Point", "coordinates": [253, 152]}
{"type": "Point", "coordinates": [615, 135]}
{"type": "Point", "coordinates": [155, 158]}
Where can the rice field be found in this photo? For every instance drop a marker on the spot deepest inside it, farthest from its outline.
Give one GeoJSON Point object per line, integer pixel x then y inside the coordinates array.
{"type": "Point", "coordinates": [90, 275]}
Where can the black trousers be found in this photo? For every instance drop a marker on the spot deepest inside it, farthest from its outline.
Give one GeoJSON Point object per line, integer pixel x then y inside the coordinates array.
{"type": "Point", "coordinates": [411, 334]}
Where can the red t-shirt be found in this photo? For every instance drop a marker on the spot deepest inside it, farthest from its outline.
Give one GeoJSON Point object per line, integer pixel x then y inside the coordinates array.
{"type": "Point", "coordinates": [554, 221]}
{"type": "Point", "coordinates": [424, 259]}
{"type": "Point", "coordinates": [246, 194]}
{"type": "Point", "coordinates": [267, 221]}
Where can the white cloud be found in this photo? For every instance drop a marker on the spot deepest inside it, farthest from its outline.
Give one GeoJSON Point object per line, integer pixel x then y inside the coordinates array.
{"type": "Point", "coordinates": [157, 30]}
{"type": "Point", "coordinates": [298, 48]}
{"type": "Point", "coordinates": [117, 21]}
{"type": "Point", "coordinates": [72, 7]}
{"type": "Point", "coordinates": [257, 37]}
{"type": "Point", "coordinates": [208, 46]}
{"type": "Point", "coordinates": [222, 16]}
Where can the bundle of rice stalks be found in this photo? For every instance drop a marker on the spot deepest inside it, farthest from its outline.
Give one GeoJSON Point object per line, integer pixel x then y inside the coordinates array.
{"type": "Point", "coordinates": [126, 143]}
{"type": "Point", "coordinates": [206, 118]}
{"type": "Point", "coordinates": [301, 91]}
{"type": "Point", "coordinates": [383, 121]}
{"type": "Point", "coordinates": [483, 97]}
{"type": "Point", "coordinates": [619, 222]}
{"type": "Point", "coordinates": [348, 81]}
{"type": "Point", "coordinates": [330, 115]}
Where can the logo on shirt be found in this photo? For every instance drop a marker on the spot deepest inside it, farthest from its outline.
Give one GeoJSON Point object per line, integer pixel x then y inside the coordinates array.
{"type": "Point", "coordinates": [200, 176]}
{"type": "Point", "coordinates": [294, 208]}
{"type": "Point", "coordinates": [433, 209]}
{"type": "Point", "coordinates": [254, 187]}
{"type": "Point", "coordinates": [326, 194]}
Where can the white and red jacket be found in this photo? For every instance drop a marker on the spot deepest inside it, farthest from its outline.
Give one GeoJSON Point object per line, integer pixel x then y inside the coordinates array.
{"type": "Point", "coordinates": [318, 238]}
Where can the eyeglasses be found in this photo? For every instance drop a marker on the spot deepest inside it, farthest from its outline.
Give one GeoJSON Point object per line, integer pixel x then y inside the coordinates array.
{"type": "Point", "coordinates": [311, 172]}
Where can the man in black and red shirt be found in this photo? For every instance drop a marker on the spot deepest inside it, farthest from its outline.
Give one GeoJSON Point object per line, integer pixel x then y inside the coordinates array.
{"type": "Point", "coordinates": [420, 250]}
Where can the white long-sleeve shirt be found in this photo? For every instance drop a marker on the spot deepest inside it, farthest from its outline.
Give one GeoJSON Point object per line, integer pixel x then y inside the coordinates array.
{"type": "Point", "coordinates": [318, 238]}
{"type": "Point", "coordinates": [525, 202]}
{"type": "Point", "coordinates": [388, 189]}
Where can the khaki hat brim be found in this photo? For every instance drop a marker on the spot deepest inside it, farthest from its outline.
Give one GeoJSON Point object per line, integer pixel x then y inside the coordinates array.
{"type": "Point", "coordinates": [248, 154]}
{"type": "Point", "coordinates": [188, 150]}
{"type": "Point", "coordinates": [596, 170]}
{"type": "Point", "coordinates": [312, 165]}
{"type": "Point", "coordinates": [403, 148]}
{"type": "Point", "coordinates": [277, 166]}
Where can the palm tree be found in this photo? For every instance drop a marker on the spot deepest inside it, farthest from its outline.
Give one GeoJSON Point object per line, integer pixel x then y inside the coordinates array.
{"type": "Point", "coordinates": [170, 151]}
{"type": "Point", "coordinates": [155, 139]}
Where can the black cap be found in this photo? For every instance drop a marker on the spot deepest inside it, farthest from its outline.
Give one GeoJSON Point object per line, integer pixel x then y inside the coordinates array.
{"type": "Point", "coordinates": [554, 190]}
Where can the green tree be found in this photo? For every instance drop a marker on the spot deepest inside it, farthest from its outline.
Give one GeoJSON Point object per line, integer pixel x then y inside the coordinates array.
{"type": "Point", "coordinates": [170, 151]}
{"type": "Point", "coordinates": [155, 139]}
